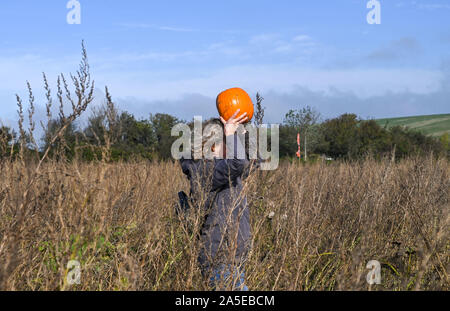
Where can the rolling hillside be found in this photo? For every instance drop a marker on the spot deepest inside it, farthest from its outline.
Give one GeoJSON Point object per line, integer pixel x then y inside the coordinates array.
{"type": "Point", "coordinates": [434, 125]}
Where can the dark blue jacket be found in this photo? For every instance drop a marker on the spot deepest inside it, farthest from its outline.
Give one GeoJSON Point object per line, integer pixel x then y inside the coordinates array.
{"type": "Point", "coordinates": [225, 235]}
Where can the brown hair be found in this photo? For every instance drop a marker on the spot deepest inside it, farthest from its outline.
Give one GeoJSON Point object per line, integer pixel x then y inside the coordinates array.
{"type": "Point", "coordinates": [205, 138]}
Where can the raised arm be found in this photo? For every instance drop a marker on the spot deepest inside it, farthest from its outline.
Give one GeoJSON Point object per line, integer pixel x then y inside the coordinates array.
{"type": "Point", "coordinates": [229, 169]}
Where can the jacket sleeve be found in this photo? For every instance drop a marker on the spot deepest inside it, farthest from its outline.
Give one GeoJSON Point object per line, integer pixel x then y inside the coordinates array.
{"type": "Point", "coordinates": [187, 166]}
{"type": "Point", "coordinates": [251, 166]}
{"type": "Point", "coordinates": [229, 169]}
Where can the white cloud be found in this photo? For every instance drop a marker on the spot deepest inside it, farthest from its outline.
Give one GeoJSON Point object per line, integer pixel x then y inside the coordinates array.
{"type": "Point", "coordinates": [150, 56]}
{"type": "Point", "coordinates": [275, 43]}
{"type": "Point", "coordinates": [283, 48]}
{"type": "Point", "coordinates": [362, 82]}
{"type": "Point", "coordinates": [156, 27]}
{"type": "Point", "coordinates": [397, 49]}
{"type": "Point", "coordinates": [423, 5]}
{"type": "Point", "coordinates": [301, 38]}
{"type": "Point", "coordinates": [177, 29]}
{"type": "Point", "coordinates": [330, 103]}
{"type": "Point", "coordinates": [367, 92]}
{"type": "Point", "coordinates": [171, 28]}
{"type": "Point", "coordinates": [16, 70]}
{"type": "Point", "coordinates": [264, 38]}
{"type": "Point", "coordinates": [173, 83]}
{"type": "Point", "coordinates": [433, 6]}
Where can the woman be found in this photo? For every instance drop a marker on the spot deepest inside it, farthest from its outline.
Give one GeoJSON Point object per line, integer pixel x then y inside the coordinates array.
{"type": "Point", "coordinates": [217, 183]}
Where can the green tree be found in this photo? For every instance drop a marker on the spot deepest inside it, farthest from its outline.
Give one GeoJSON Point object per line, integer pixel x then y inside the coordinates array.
{"type": "Point", "coordinates": [288, 140]}
{"type": "Point", "coordinates": [372, 138]}
{"type": "Point", "coordinates": [340, 136]}
{"type": "Point", "coordinates": [304, 121]}
{"type": "Point", "coordinates": [135, 137]}
{"type": "Point", "coordinates": [162, 125]}
{"type": "Point", "coordinates": [408, 142]}
{"type": "Point", "coordinates": [7, 140]}
{"type": "Point", "coordinates": [65, 144]}
{"type": "Point", "coordinates": [121, 133]}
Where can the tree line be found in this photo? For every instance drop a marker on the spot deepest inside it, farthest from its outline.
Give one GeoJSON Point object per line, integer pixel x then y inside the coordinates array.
{"type": "Point", "coordinates": [350, 137]}
{"type": "Point", "coordinates": [115, 135]}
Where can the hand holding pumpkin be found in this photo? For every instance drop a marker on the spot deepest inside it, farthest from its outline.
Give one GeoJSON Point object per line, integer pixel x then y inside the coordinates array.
{"type": "Point", "coordinates": [229, 101]}
{"type": "Point", "coordinates": [231, 126]}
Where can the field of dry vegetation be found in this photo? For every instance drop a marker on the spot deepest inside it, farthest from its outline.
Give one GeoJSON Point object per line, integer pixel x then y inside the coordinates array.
{"type": "Point", "coordinates": [329, 220]}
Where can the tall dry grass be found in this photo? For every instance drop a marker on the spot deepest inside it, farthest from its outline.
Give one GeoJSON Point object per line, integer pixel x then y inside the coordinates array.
{"type": "Point", "coordinates": [328, 221]}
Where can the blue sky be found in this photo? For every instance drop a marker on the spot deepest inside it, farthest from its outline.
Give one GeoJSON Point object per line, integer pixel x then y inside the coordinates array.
{"type": "Point", "coordinates": [176, 56]}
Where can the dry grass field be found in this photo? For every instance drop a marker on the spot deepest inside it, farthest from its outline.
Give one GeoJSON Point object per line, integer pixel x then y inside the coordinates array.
{"type": "Point", "coordinates": [328, 221]}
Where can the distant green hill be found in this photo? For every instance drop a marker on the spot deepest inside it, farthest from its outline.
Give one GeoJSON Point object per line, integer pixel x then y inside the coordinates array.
{"type": "Point", "coordinates": [434, 125]}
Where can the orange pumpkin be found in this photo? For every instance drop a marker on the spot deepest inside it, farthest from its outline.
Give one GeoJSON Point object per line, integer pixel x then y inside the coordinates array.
{"type": "Point", "coordinates": [229, 101]}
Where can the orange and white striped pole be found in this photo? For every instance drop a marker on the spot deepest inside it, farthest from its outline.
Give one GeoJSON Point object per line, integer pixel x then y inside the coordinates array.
{"type": "Point", "coordinates": [298, 143]}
